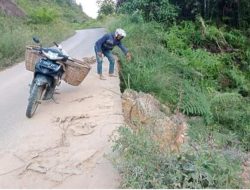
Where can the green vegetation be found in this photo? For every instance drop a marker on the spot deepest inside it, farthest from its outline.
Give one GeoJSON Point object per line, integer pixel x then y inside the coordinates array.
{"type": "Point", "coordinates": [193, 55]}
{"type": "Point", "coordinates": [200, 68]}
{"type": "Point", "coordinates": [144, 165]}
{"type": "Point", "coordinates": [106, 7]}
{"type": "Point", "coordinates": [50, 20]}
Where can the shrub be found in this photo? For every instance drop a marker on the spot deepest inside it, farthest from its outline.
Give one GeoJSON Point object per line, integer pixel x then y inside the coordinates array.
{"type": "Point", "coordinates": [106, 7]}
{"type": "Point", "coordinates": [176, 66]}
{"type": "Point", "coordinates": [16, 34]}
{"type": "Point", "coordinates": [13, 36]}
{"type": "Point", "coordinates": [143, 165]}
{"type": "Point", "coordinates": [186, 78]}
{"type": "Point", "coordinates": [233, 112]}
{"type": "Point", "coordinates": [161, 11]}
{"type": "Point", "coordinates": [43, 15]}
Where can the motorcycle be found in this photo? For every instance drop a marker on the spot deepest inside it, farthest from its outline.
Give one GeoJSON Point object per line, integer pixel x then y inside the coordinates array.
{"type": "Point", "coordinates": [48, 73]}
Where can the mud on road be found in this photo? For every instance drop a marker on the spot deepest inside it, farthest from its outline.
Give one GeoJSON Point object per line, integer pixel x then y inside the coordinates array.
{"type": "Point", "coordinates": [66, 143]}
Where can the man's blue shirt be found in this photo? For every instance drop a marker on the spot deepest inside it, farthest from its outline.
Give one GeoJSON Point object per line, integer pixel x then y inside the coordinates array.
{"type": "Point", "coordinates": [108, 42]}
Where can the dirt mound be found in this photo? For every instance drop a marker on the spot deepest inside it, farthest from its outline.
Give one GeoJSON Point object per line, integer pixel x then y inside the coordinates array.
{"type": "Point", "coordinates": [144, 110]}
{"type": "Point", "coordinates": [11, 9]}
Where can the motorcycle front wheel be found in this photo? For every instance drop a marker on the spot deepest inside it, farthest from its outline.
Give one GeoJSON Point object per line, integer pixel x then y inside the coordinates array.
{"type": "Point", "coordinates": [34, 100]}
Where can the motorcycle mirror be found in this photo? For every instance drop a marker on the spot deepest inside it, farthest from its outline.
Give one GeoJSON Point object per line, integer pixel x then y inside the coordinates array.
{"type": "Point", "coordinates": [55, 44]}
{"type": "Point", "coordinates": [36, 40]}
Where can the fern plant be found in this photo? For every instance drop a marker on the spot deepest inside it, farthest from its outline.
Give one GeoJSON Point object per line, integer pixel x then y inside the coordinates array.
{"type": "Point", "coordinates": [195, 102]}
{"type": "Point", "coordinates": [233, 112]}
{"type": "Point", "coordinates": [223, 103]}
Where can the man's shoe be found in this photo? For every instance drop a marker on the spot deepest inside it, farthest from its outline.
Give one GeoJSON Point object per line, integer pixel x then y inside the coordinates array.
{"type": "Point", "coordinates": [102, 77]}
{"type": "Point", "coordinates": [112, 75]}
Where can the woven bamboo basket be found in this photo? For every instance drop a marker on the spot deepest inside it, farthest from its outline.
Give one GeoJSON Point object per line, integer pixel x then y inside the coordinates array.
{"type": "Point", "coordinates": [31, 57]}
{"type": "Point", "coordinates": [75, 71]}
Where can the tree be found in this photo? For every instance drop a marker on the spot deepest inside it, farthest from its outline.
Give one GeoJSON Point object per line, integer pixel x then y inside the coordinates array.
{"type": "Point", "coordinates": [106, 7]}
{"type": "Point", "coordinates": [160, 11]}
{"type": "Point", "coordinates": [231, 12]}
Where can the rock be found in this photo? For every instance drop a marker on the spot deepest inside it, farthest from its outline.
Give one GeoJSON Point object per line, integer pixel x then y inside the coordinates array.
{"type": "Point", "coordinates": [142, 109]}
{"type": "Point", "coordinates": [128, 102]}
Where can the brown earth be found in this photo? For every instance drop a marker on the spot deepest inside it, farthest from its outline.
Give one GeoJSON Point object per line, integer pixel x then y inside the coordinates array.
{"type": "Point", "coordinates": [10, 8]}
{"type": "Point", "coordinates": [143, 110]}
{"type": "Point", "coordinates": [246, 172]}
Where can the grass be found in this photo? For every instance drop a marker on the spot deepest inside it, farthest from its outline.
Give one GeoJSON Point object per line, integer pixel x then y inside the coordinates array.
{"type": "Point", "coordinates": [14, 39]}
{"type": "Point", "coordinates": [16, 33]}
{"type": "Point", "coordinates": [185, 78]}
{"type": "Point", "coordinates": [143, 165]}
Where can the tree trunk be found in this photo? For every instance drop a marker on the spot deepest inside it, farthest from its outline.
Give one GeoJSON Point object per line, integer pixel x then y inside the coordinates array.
{"type": "Point", "coordinates": [238, 13]}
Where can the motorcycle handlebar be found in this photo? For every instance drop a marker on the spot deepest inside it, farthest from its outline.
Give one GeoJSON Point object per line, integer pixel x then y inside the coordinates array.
{"type": "Point", "coordinates": [37, 49]}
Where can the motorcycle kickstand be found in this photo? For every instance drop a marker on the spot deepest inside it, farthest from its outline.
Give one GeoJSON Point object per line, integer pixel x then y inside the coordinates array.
{"type": "Point", "coordinates": [54, 100]}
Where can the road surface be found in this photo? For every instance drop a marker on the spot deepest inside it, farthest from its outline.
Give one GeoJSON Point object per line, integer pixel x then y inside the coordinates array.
{"type": "Point", "coordinates": [66, 143]}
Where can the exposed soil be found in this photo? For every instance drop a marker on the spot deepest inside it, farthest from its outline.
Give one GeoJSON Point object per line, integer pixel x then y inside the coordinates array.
{"type": "Point", "coordinates": [10, 8]}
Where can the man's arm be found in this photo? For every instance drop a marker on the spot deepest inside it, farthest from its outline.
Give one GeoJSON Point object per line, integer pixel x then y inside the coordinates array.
{"type": "Point", "coordinates": [100, 42]}
{"type": "Point", "coordinates": [123, 48]}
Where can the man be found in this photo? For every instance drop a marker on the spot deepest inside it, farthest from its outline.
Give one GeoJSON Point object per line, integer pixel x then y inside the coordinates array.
{"type": "Point", "coordinates": [105, 45]}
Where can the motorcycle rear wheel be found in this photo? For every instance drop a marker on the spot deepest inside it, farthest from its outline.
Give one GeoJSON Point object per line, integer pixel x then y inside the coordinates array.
{"type": "Point", "coordinates": [35, 97]}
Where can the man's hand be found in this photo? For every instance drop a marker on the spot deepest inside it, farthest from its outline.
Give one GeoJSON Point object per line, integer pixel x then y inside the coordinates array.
{"type": "Point", "coordinates": [128, 56]}
{"type": "Point", "coordinates": [100, 54]}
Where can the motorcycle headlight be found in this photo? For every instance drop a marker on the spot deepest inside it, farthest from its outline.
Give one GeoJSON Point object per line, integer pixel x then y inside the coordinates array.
{"type": "Point", "coordinates": [51, 55]}
{"type": "Point", "coordinates": [45, 70]}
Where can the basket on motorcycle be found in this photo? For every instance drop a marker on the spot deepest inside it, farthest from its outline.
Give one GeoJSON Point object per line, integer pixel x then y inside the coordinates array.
{"type": "Point", "coordinates": [75, 71]}
{"type": "Point", "coordinates": [31, 57]}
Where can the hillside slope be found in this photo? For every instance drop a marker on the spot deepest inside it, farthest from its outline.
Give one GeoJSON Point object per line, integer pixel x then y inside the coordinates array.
{"type": "Point", "coordinates": [20, 20]}
{"type": "Point", "coordinates": [197, 69]}
{"type": "Point", "coordinates": [10, 8]}
{"type": "Point", "coordinates": [67, 9]}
